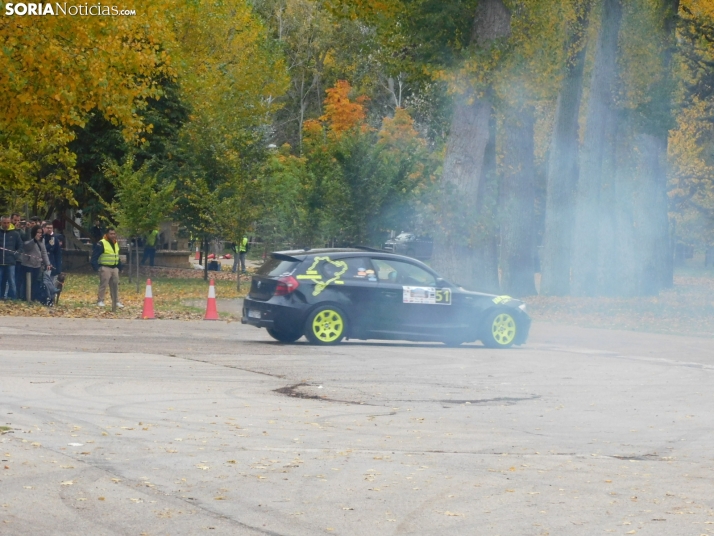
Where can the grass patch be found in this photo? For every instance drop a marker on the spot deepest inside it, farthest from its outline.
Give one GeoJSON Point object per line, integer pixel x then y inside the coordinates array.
{"type": "Point", "coordinates": [79, 298]}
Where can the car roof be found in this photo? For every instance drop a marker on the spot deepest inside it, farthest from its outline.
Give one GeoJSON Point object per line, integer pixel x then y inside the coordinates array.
{"type": "Point", "coordinates": [301, 254]}
{"type": "Point", "coordinates": [297, 253]}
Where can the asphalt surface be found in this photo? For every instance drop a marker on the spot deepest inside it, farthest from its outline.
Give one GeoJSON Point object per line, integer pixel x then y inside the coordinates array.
{"type": "Point", "coordinates": [169, 427]}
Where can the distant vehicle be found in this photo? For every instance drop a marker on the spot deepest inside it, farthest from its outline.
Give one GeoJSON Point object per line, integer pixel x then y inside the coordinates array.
{"type": "Point", "coordinates": [330, 294]}
{"type": "Point", "coordinates": [411, 245]}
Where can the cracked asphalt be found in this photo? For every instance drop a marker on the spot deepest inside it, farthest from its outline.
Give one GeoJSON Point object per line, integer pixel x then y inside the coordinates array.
{"type": "Point", "coordinates": [170, 427]}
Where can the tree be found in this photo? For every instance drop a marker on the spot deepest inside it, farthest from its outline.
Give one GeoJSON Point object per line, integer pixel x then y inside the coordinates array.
{"type": "Point", "coordinates": [562, 171]}
{"type": "Point", "coordinates": [594, 199]}
{"type": "Point", "coordinates": [36, 168]}
{"type": "Point", "coordinates": [141, 201]}
{"type": "Point", "coordinates": [461, 252]}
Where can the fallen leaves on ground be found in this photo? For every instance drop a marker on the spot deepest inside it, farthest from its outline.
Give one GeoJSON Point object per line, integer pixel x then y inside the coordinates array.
{"type": "Point", "coordinates": [686, 309]}
{"type": "Point", "coordinates": [170, 287]}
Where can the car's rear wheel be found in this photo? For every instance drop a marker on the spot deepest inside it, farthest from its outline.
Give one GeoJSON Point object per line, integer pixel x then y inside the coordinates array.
{"type": "Point", "coordinates": [283, 336]}
{"type": "Point", "coordinates": [500, 330]}
{"type": "Point", "coordinates": [326, 325]}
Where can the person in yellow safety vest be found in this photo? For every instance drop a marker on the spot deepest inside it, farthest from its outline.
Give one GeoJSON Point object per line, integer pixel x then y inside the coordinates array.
{"type": "Point", "coordinates": [105, 260]}
{"type": "Point", "coordinates": [150, 247]}
{"type": "Point", "coordinates": [240, 251]}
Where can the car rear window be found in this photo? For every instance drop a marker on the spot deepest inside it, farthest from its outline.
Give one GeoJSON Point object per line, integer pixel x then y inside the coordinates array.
{"type": "Point", "coordinates": [276, 267]}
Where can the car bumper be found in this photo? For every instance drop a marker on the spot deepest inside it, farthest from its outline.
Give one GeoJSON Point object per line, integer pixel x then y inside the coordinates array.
{"type": "Point", "coordinates": [524, 327]}
{"type": "Point", "coordinates": [268, 314]}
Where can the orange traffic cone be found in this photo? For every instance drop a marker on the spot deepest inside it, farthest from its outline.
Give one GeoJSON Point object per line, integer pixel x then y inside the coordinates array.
{"type": "Point", "coordinates": [148, 312]}
{"type": "Point", "coordinates": [211, 311]}
{"type": "Point", "coordinates": [198, 254]}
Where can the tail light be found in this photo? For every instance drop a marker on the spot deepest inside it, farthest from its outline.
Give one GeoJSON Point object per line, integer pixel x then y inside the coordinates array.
{"type": "Point", "coordinates": [286, 285]}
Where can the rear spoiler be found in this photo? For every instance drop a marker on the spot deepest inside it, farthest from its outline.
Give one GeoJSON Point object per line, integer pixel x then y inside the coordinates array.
{"type": "Point", "coordinates": [367, 248]}
{"type": "Point", "coordinates": [283, 257]}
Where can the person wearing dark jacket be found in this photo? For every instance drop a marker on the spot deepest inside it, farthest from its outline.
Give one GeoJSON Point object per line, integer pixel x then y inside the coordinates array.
{"type": "Point", "coordinates": [11, 245]}
{"type": "Point", "coordinates": [34, 260]}
{"type": "Point", "coordinates": [105, 260]}
{"type": "Point", "coordinates": [53, 247]}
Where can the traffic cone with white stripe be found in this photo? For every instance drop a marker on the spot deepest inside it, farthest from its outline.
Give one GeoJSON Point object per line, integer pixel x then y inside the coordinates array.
{"type": "Point", "coordinates": [148, 312]}
{"type": "Point", "coordinates": [211, 310]}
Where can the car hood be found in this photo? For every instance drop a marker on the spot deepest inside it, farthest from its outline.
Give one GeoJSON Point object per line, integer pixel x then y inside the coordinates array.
{"type": "Point", "coordinates": [495, 298]}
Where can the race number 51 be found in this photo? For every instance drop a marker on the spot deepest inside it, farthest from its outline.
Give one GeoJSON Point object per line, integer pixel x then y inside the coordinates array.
{"type": "Point", "coordinates": [443, 296]}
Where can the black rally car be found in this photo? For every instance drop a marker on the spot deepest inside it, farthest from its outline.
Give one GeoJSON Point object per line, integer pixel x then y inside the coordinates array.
{"type": "Point", "coordinates": [330, 294]}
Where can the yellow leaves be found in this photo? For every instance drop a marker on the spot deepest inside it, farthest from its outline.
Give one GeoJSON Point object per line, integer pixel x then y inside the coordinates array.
{"type": "Point", "coordinates": [399, 130]}
{"type": "Point", "coordinates": [50, 57]}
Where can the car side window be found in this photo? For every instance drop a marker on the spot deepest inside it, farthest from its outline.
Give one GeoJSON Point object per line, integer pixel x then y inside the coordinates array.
{"type": "Point", "coordinates": [360, 269]}
{"type": "Point", "coordinates": [403, 273]}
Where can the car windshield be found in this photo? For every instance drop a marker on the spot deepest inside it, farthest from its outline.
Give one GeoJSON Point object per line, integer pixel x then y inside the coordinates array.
{"type": "Point", "coordinates": [404, 237]}
{"type": "Point", "coordinates": [276, 267]}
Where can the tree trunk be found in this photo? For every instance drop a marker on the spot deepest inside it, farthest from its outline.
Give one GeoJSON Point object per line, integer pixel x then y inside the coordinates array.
{"type": "Point", "coordinates": [516, 208]}
{"type": "Point", "coordinates": [664, 253]}
{"type": "Point", "coordinates": [129, 257]}
{"type": "Point", "coordinates": [205, 263]}
{"type": "Point", "coordinates": [136, 241]}
{"type": "Point", "coordinates": [650, 210]}
{"type": "Point", "coordinates": [665, 249]}
{"type": "Point", "coordinates": [642, 197]}
{"type": "Point", "coordinates": [455, 253]}
{"type": "Point", "coordinates": [485, 268]}
{"type": "Point", "coordinates": [562, 173]}
{"type": "Point", "coordinates": [594, 220]}
{"type": "Point", "coordinates": [459, 253]}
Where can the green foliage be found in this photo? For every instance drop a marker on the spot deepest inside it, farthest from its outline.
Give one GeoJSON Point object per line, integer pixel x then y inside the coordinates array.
{"type": "Point", "coordinates": [141, 202]}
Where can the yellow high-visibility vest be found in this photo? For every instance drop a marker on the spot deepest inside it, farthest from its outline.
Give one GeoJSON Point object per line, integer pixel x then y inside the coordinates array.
{"type": "Point", "coordinates": [151, 238]}
{"type": "Point", "coordinates": [110, 257]}
{"type": "Point", "coordinates": [243, 244]}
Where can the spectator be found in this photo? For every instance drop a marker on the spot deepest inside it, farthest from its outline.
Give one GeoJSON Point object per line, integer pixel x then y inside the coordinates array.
{"type": "Point", "coordinates": [150, 247]}
{"type": "Point", "coordinates": [23, 231]}
{"type": "Point", "coordinates": [240, 251]}
{"type": "Point", "coordinates": [53, 247]}
{"type": "Point", "coordinates": [95, 233]}
{"type": "Point", "coordinates": [14, 221]}
{"type": "Point", "coordinates": [105, 260]}
{"type": "Point", "coordinates": [26, 234]}
{"type": "Point", "coordinates": [78, 216]}
{"type": "Point", "coordinates": [34, 259]}
{"type": "Point", "coordinates": [11, 245]}
{"type": "Point", "coordinates": [58, 227]}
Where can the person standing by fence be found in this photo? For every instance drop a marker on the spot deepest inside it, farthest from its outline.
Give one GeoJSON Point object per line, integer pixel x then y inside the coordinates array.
{"type": "Point", "coordinates": [11, 245]}
{"type": "Point", "coordinates": [53, 247]}
{"type": "Point", "coordinates": [150, 247]}
{"type": "Point", "coordinates": [240, 250]}
{"type": "Point", "coordinates": [34, 260]}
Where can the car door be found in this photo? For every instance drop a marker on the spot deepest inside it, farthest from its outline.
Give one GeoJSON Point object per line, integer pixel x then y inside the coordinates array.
{"type": "Point", "coordinates": [409, 302]}
{"type": "Point", "coordinates": [360, 285]}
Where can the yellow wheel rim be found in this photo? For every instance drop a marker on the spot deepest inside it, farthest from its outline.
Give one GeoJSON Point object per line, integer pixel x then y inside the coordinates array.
{"type": "Point", "coordinates": [504, 329]}
{"type": "Point", "coordinates": [328, 325]}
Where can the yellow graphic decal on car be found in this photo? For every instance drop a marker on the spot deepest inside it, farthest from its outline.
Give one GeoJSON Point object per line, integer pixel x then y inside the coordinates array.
{"type": "Point", "coordinates": [501, 299]}
{"type": "Point", "coordinates": [313, 275]}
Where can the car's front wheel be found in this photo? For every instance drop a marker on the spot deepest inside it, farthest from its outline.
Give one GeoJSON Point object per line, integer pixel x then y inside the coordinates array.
{"type": "Point", "coordinates": [500, 329]}
{"type": "Point", "coordinates": [283, 336]}
{"type": "Point", "coordinates": [326, 325]}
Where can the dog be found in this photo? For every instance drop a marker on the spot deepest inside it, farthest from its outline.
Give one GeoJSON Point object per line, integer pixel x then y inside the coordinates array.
{"type": "Point", "coordinates": [59, 284]}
